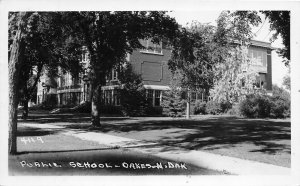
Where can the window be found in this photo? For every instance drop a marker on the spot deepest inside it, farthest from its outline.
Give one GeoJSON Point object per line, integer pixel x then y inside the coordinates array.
{"type": "Point", "coordinates": [259, 57]}
{"type": "Point", "coordinates": [150, 47]}
{"type": "Point", "coordinates": [108, 97]}
{"type": "Point", "coordinates": [85, 56]}
{"type": "Point", "coordinates": [116, 99]}
{"type": "Point", "coordinates": [114, 75]}
{"type": "Point", "coordinates": [149, 95]}
{"type": "Point", "coordinates": [261, 81]}
{"type": "Point", "coordinates": [193, 96]}
{"type": "Point", "coordinates": [157, 98]}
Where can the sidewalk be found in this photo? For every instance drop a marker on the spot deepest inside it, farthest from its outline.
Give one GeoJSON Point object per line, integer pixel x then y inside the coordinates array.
{"type": "Point", "coordinates": [197, 158]}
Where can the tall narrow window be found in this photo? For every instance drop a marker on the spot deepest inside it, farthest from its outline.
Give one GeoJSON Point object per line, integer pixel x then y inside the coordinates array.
{"type": "Point", "coordinates": [149, 95]}
{"type": "Point", "coordinates": [114, 75]}
{"type": "Point", "coordinates": [193, 96]}
{"type": "Point", "coordinates": [157, 98]}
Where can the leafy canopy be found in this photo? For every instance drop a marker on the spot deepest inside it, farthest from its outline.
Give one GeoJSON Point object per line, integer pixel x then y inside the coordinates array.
{"type": "Point", "coordinates": [110, 36]}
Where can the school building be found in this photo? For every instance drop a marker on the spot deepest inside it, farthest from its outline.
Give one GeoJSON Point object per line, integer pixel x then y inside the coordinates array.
{"type": "Point", "coordinates": [151, 64]}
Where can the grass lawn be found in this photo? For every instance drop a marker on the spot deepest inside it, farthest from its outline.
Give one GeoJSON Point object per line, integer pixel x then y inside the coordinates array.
{"type": "Point", "coordinates": [263, 140]}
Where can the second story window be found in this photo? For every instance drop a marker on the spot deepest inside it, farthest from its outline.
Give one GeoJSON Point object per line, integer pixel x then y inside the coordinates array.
{"type": "Point", "coordinates": [114, 75]}
{"type": "Point", "coordinates": [151, 47]}
{"type": "Point", "coordinates": [259, 57]}
{"type": "Point", "coordinates": [85, 56]}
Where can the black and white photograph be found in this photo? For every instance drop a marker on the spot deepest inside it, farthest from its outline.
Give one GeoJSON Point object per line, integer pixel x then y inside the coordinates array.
{"type": "Point", "coordinates": [171, 93]}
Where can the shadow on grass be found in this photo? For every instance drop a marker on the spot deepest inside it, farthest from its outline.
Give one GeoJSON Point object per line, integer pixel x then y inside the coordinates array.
{"type": "Point", "coordinates": [58, 151]}
{"type": "Point", "coordinates": [44, 117]}
{"type": "Point", "coordinates": [34, 132]}
{"type": "Point", "coordinates": [206, 133]}
{"type": "Point", "coordinates": [211, 133]}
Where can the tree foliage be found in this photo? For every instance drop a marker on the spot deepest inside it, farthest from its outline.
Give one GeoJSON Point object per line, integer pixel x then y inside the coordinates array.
{"type": "Point", "coordinates": [280, 23]}
{"type": "Point", "coordinates": [287, 80]}
{"type": "Point", "coordinates": [194, 53]}
{"type": "Point", "coordinates": [110, 36]}
{"type": "Point", "coordinates": [173, 100]}
{"type": "Point", "coordinates": [234, 78]}
{"type": "Point", "coordinates": [45, 48]}
{"type": "Point", "coordinates": [132, 93]}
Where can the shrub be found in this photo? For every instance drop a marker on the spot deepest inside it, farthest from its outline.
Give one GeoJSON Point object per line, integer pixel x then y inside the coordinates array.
{"type": "Point", "coordinates": [84, 107]}
{"type": "Point", "coordinates": [225, 106]}
{"type": "Point", "coordinates": [111, 109]}
{"type": "Point", "coordinates": [132, 94]}
{"type": "Point", "coordinates": [234, 110]}
{"type": "Point", "coordinates": [256, 106]}
{"type": "Point", "coordinates": [281, 103]}
{"type": "Point", "coordinates": [280, 107]}
{"type": "Point", "coordinates": [213, 107]}
{"type": "Point", "coordinates": [172, 103]}
{"type": "Point", "coordinates": [200, 107]}
{"type": "Point", "coordinates": [154, 111]}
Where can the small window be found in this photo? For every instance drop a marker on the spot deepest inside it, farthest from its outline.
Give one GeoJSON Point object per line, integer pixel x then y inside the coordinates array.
{"type": "Point", "coordinates": [151, 47]}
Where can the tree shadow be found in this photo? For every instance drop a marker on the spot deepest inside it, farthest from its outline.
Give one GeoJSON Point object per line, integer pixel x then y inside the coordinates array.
{"type": "Point", "coordinates": [41, 118]}
{"type": "Point", "coordinates": [34, 132]}
{"type": "Point", "coordinates": [210, 133]}
{"type": "Point", "coordinates": [213, 132]}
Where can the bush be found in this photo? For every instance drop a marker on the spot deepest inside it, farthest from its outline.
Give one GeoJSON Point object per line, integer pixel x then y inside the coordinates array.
{"type": "Point", "coordinates": [111, 109]}
{"type": "Point", "coordinates": [256, 106]}
{"type": "Point", "coordinates": [281, 103]}
{"type": "Point", "coordinates": [213, 107]}
{"type": "Point", "coordinates": [154, 111]}
{"type": "Point", "coordinates": [200, 107]}
{"type": "Point", "coordinates": [172, 103]}
{"type": "Point", "coordinates": [280, 108]}
{"type": "Point", "coordinates": [234, 110]}
{"type": "Point", "coordinates": [84, 107]}
{"type": "Point", "coordinates": [225, 106]}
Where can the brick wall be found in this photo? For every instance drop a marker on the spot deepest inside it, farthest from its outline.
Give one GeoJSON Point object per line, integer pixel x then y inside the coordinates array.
{"type": "Point", "coordinates": [152, 67]}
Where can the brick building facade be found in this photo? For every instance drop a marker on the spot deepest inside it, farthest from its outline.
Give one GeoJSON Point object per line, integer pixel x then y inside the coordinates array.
{"type": "Point", "coordinates": [151, 64]}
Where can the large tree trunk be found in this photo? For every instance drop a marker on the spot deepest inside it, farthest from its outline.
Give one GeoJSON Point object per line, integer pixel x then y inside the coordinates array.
{"type": "Point", "coordinates": [15, 62]}
{"type": "Point", "coordinates": [25, 109]}
{"type": "Point", "coordinates": [95, 103]}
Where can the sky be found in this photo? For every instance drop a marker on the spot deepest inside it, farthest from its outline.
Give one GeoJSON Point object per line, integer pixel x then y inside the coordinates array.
{"type": "Point", "coordinates": [262, 34]}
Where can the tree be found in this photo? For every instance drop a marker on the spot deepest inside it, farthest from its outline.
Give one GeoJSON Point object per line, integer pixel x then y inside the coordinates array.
{"type": "Point", "coordinates": [280, 23]}
{"type": "Point", "coordinates": [46, 48]}
{"type": "Point", "coordinates": [35, 43]}
{"type": "Point", "coordinates": [14, 65]}
{"type": "Point", "coordinates": [109, 36]}
{"type": "Point", "coordinates": [234, 78]}
{"type": "Point", "coordinates": [197, 50]}
{"type": "Point", "coordinates": [287, 80]}
{"type": "Point", "coordinates": [132, 93]}
{"type": "Point", "coordinates": [173, 101]}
